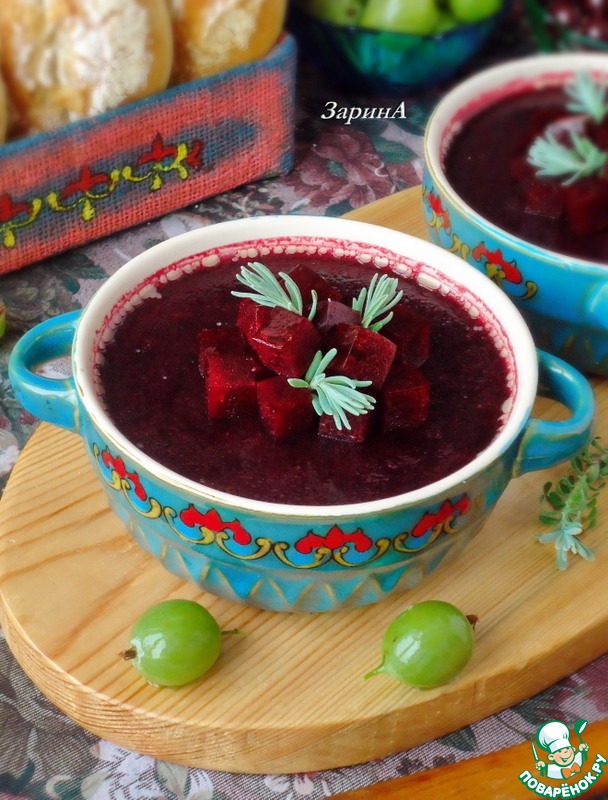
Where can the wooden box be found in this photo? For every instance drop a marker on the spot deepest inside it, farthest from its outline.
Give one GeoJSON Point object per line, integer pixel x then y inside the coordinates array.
{"type": "Point", "coordinates": [92, 178]}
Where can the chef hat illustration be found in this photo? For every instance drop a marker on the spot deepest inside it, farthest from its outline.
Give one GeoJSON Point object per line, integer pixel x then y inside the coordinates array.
{"type": "Point", "coordinates": [553, 736]}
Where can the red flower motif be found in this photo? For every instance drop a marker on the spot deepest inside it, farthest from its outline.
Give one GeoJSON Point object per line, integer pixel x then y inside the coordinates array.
{"type": "Point", "coordinates": [85, 183]}
{"type": "Point", "coordinates": [437, 206]}
{"type": "Point", "coordinates": [9, 210]}
{"type": "Point", "coordinates": [194, 157]}
{"type": "Point", "coordinates": [158, 151]}
{"type": "Point", "coordinates": [118, 465]}
{"type": "Point", "coordinates": [334, 539]}
{"type": "Point", "coordinates": [495, 261]}
{"type": "Point", "coordinates": [191, 517]}
{"type": "Point", "coordinates": [446, 513]}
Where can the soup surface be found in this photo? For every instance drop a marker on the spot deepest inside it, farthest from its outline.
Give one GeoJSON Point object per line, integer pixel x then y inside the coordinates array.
{"type": "Point", "coordinates": [155, 394]}
{"type": "Point", "coordinates": [487, 166]}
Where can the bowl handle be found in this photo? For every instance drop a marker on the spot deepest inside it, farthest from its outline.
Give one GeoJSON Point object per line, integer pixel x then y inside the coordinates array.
{"type": "Point", "coordinates": [595, 312]}
{"type": "Point", "coordinates": [53, 400]}
{"type": "Point", "coordinates": [545, 443]}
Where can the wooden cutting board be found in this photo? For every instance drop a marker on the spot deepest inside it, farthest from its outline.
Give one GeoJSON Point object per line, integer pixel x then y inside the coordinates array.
{"type": "Point", "coordinates": [287, 695]}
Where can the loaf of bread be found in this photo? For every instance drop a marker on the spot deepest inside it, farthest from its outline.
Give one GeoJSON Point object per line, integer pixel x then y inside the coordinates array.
{"type": "Point", "coordinates": [65, 60]}
{"type": "Point", "coordinates": [214, 35]}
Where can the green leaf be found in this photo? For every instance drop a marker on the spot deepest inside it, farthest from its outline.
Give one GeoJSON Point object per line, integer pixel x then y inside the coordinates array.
{"type": "Point", "coordinates": [266, 289]}
{"type": "Point", "coordinates": [376, 300]}
{"type": "Point", "coordinates": [587, 96]}
{"type": "Point", "coordinates": [573, 500]}
{"type": "Point", "coordinates": [554, 160]}
{"type": "Point", "coordinates": [335, 395]}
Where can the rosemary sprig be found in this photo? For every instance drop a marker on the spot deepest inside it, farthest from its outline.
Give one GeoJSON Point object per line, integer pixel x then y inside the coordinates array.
{"type": "Point", "coordinates": [336, 395]}
{"type": "Point", "coordinates": [572, 502]}
{"type": "Point", "coordinates": [268, 291]}
{"type": "Point", "coordinates": [554, 160]}
{"type": "Point", "coordinates": [588, 97]}
{"type": "Point", "coordinates": [377, 299]}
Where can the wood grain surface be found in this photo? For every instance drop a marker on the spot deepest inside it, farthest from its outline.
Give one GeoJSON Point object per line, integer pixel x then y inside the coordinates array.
{"type": "Point", "coordinates": [287, 695]}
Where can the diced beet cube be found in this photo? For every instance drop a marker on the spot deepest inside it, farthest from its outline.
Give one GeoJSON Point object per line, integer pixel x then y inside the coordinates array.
{"type": "Point", "coordinates": [218, 340]}
{"type": "Point", "coordinates": [586, 202]}
{"type": "Point", "coordinates": [230, 385]}
{"type": "Point", "coordinates": [544, 198]}
{"type": "Point", "coordinates": [405, 398]}
{"type": "Point", "coordinates": [359, 428]}
{"type": "Point", "coordinates": [283, 409]}
{"type": "Point", "coordinates": [251, 317]}
{"type": "Point", "coordinates": [363, 354]}
{"type": "Point", "coordinates": [332, 312]}
{"type": "Point", "coordinates": [287, 343]}
{"type": "Point", "coordinates": [307, 280]}
{"type": "Point", "coordinates": [411, 333]}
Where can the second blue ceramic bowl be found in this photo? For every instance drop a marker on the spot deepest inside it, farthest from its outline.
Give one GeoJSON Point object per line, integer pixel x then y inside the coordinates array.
{"type": "Point", "coordinates": [564, 299]}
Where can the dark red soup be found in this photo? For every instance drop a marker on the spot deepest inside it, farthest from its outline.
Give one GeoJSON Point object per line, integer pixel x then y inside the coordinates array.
{"type": "Point", "coordinates": [487, 165]}
{"type": "Point", "coordinates": [176, 362]}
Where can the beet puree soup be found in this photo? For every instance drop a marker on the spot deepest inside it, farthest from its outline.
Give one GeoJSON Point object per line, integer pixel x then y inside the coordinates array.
{"type": "Point", "coordinates": [304, 380]}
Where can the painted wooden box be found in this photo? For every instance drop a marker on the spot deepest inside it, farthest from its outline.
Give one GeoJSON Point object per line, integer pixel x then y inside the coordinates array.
{"type": "Point", "coordinates": [91, 178]}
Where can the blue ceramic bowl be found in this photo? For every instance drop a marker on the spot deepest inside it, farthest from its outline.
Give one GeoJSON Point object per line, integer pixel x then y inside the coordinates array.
{"type": "Point", "coordinates": [260, 553]}
{"type": "Point", "coordinates": [387, 63]}
{"type": "Point", "coordinates": [564, 299]}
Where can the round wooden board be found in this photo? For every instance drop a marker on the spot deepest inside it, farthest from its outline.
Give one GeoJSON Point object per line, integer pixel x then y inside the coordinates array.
{"type": "Point", "coordinates": [287, 695]}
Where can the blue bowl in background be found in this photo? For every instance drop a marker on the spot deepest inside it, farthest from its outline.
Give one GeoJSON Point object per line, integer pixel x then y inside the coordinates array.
{"type": "Point", "coordinates": [563, 298]}
{"type": "Point", "coordinates": [382, 62]}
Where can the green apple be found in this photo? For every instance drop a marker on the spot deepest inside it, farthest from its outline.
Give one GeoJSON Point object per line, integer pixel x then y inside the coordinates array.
{"type": "Point", "coordinates": [447, 22]}
{"type": "Point", "coordinates": [340, 12]}
{"type": "Point", "coordinates": [474, 10]}
{"type": "Point", "coordinates": [419, 17]}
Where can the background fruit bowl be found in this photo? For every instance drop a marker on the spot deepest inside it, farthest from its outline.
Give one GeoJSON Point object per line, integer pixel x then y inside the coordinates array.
{"type": "Point", "coordinates": [388, 61]}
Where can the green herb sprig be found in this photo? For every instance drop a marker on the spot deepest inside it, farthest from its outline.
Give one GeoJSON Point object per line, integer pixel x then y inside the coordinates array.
{"type": "Point", "coordinates": [582, 158]}
{"type": "Point", "coordinates": [268, 291]}
{"type": "Point", "coordinates": [377, 299]}
{"type": "Point", "coordinates": [336, 395]}
{"type": "Point", "coordinates": [572, 503]}
{"type": "Point", "coordinates": [588, 97]}
{"type": "Point", "coordinates": [554, 160]}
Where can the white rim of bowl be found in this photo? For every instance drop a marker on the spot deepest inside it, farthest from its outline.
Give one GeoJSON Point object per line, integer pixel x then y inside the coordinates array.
{"type": "Point", "coordinates": [534, 71]}
{"type": "Point", "coordinates": [267, 227]}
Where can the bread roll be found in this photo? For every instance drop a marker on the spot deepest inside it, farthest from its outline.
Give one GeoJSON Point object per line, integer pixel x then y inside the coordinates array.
{"type": "Point", "coordinates": [65, 60]}
{"type": "Point", "coordinates": [214, 35]}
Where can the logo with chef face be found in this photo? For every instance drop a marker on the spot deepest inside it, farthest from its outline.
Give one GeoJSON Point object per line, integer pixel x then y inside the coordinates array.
{"type": "Point", "coordinates": [561, 757]}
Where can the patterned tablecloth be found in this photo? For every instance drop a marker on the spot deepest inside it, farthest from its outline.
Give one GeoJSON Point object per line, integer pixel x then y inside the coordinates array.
{"type": "Point", "coordinates": [339, 167]}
